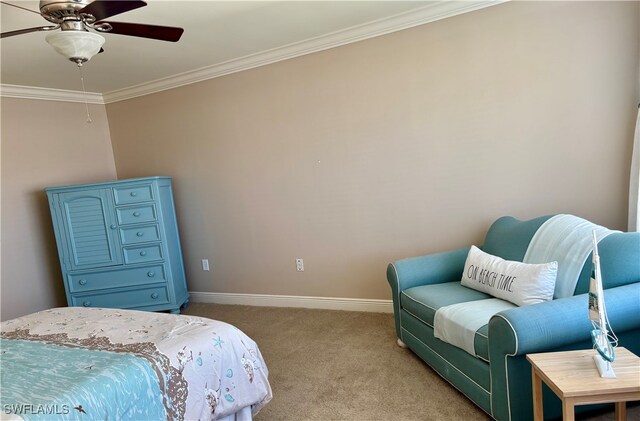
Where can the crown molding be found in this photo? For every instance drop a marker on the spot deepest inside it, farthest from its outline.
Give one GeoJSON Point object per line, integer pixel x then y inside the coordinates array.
{"type": "Point", "coordinates": [48, 94]}
{"type": "Point", "coordinates": [419, 16]}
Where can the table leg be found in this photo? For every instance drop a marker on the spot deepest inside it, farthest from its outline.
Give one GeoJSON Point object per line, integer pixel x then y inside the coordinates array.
{"type": "Point", "coordinates": [621, 411]}
{"type": "Point", "coordinates": [537, 395]}
{"type": "Point", "coordinates": [568, 410]}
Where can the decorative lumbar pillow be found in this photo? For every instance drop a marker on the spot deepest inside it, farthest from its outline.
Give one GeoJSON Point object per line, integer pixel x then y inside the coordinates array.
{"type": "Point", "coordinates": [519, 283]}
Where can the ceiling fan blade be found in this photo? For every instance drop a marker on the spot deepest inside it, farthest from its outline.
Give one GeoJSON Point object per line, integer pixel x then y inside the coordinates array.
{"type": "Point", "coordinates": [26, 31]}
{"type": "Point", "coordinates": [162, 33]}
{"type": "Point", "coordinates": [102, 9]}
{"type": "Point", "coordinates": [20, 7]}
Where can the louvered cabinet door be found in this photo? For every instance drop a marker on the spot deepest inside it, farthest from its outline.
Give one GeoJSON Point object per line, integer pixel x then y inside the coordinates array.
{"type": "Point", "coordinates": [90, 231]}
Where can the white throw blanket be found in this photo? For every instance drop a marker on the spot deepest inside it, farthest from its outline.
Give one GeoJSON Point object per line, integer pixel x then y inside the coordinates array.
{"type": "Point", "coordinates": [568, 240]}
{"type": "Point", "coordinates": [457, 323]}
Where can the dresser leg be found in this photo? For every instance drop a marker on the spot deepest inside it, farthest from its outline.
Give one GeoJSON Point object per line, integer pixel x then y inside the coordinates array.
{"type": "Point", "coordinates": [175, 311]}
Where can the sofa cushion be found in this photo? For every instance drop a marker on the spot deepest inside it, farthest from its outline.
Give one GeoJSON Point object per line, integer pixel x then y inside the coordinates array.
{"type": "Point", "coordinates": [509, 237]}
{"type": "Point", "coordinates": [619, 257]}
{"type": "Point", "coordinates": [520, 283]}
{"type": "Point", "coordinates": [423, 301]}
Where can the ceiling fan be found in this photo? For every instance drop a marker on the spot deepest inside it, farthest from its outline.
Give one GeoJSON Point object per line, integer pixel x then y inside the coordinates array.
{"type": "Point", "coordinates": [74, 18]}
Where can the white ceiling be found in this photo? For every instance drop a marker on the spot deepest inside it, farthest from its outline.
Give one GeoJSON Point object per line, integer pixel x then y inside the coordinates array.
{"type": "Point", "coordinates": [216, 32]}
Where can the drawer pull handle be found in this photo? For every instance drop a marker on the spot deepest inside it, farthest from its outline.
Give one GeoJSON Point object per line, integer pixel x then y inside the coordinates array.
{"type": "Point", "coordinates": [139, 233]}
{"type": "Point", "coordinates": [143, 253]}
{"type": "Point", "coordinates": [133, 194]}
{"type": "Point", "coordinates": [154, 295]}
{"type": "Point", "coordinates": [86, 303]}
{"type": "Point", "coordinates": [82, 282]}
{"type": "Point", "coordinates": [136, 213]}
{"type": "Point", "coordinates": [151, 274]}
{"type": "Point", "coordinates": [113, 227]}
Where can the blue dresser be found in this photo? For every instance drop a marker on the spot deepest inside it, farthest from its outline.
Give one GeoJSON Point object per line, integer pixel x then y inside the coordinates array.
{"type": "Point", "coordinates": [119, 245]}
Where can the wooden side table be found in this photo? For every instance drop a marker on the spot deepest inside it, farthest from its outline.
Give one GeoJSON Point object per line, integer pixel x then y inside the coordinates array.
{"type": "Point", "coordinates": [574, 378]}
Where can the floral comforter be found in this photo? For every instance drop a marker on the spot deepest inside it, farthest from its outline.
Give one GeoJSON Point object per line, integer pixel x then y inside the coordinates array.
{"type": "Point", "coordinates": [94, 363]}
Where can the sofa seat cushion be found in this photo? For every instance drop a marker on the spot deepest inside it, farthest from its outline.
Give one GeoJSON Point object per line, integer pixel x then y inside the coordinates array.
{"type": "Point", "coordinates": [423, 301]}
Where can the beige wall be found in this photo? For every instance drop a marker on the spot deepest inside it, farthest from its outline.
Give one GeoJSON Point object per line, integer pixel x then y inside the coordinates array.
{"type": "Point", "coordinates": [44, 143]}
{"type": "Point", "coordinates": [401, 145]}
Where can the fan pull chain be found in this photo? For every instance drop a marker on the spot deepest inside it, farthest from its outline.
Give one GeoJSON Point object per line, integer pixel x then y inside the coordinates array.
{"type": "Point", "coordinates": [86, 104]}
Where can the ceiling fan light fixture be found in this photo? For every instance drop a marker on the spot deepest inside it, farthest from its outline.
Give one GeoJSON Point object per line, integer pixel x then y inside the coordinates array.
{"type": "Point", "coordinates": [77, 46]}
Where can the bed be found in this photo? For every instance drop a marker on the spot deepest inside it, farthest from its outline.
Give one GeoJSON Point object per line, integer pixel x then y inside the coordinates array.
{"type": "Point", "coordinates": [98, 363]}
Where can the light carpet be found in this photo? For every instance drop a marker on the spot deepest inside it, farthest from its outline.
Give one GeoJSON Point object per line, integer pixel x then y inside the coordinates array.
{"type": "Point", "coordinates": [340, 365]}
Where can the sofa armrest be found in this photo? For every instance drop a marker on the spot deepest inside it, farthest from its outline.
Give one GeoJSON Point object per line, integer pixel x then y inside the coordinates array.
{"type": "Point", "coordinates": [555, 325]}
{"type": "Point", "coordinates": [424, 270]}
{"type": "Point", "coordinates": [558, 323]}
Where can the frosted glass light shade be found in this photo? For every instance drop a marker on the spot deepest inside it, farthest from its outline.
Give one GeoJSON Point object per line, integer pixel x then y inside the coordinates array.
{"type": "Point", "coordinates": [77, 46]}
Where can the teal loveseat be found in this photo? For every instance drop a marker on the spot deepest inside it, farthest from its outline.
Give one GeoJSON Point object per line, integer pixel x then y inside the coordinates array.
{"type": "Point", "coordinates": [498, 378]}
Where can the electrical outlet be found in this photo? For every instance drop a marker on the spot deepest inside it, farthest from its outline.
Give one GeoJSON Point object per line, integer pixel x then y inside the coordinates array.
{"type": "Point", "coordinates": [205, 265]}
{"type": "Point", "coordinates": [299, 265]}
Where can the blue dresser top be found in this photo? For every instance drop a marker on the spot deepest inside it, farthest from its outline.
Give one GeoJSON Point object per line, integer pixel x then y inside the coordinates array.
{"type": "Point", "coordinates": [103, 183]}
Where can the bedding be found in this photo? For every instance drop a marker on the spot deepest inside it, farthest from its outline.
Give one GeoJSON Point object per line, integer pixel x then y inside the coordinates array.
{"type": "Point", "coordinates": [98, 363]}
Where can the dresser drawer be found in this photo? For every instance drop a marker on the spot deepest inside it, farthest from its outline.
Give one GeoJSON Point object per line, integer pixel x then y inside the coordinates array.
{"type": "Point", "coordinates": [133, 194]}
{"type": "Point", "coordinates": [142, 254]}
{"type": "Point", "coordinates": [123, 299]}
{"type": "Point", "coordinates": [115, 278]}
{"type": "Point", "coordinates": [137, 214]}
{"type": "Point", "coordinates": [135, 235]}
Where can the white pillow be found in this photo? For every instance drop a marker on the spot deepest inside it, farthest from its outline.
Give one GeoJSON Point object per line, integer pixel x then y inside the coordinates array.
{"type": "Point", "coordinates": [519, 283]}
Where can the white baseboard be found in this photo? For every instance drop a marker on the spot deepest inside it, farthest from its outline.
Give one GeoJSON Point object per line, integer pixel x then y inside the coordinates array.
{"type": "Point", "coordinates": [325, 303]}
